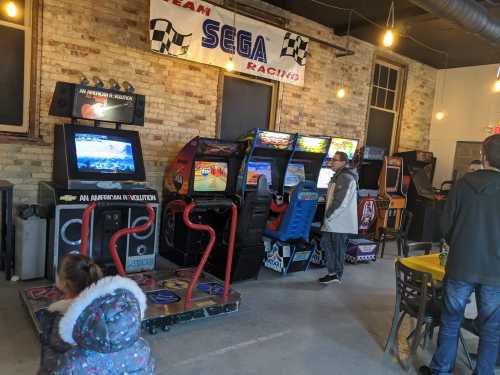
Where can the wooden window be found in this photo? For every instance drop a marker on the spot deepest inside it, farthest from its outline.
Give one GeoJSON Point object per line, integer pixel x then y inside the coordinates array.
{"type": "Point", "coordinates": [15, 66]}
{"type": "Point", "coordinates": [383, 130]}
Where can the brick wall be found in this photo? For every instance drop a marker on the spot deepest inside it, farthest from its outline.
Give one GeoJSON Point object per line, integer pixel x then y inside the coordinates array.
{"type": "Point", "coordinates": [110, 39]}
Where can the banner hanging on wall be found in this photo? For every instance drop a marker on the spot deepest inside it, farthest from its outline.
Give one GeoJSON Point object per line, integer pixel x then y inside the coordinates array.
{"type": "Point", "coordinates": [208, 34]}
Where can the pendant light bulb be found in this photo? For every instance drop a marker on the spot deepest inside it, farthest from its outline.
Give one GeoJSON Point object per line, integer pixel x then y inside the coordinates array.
{"type": "Point", "coordinates": [496, 86]}
{"type": "Point", "coordinates": [341, 93]}
{"type": "Point", "coordinates": [440, 115]}
{"type": "Point", "coordinates": [11, 9]}
{"type": "Point", "coordinates": [230, 65]}
{"type": "Point", "coordinates": [388, 38]}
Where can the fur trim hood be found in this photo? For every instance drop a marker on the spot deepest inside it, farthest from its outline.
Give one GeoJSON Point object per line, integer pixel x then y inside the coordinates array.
{"type": "Point", "coordinates": [105, 317]}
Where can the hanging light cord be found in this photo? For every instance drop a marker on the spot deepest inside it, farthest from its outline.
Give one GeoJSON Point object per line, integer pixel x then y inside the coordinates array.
{"type": "Point", "coordinates": [390, 17]}
{"type": "Point", "coordinates": [372, 22]}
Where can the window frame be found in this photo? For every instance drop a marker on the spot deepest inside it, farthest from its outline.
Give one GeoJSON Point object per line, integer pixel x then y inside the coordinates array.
{"type": "Point", "coordinates": [399, 97]}
{"type": "Point", "coordinates": [27, 28]}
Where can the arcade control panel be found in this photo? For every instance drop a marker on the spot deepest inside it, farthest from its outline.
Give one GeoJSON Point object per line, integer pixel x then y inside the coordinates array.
{"type": "Point", "coordinates": [138, 251]}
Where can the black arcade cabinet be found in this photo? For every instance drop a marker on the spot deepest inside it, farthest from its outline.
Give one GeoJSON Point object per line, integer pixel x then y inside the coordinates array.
{"type": "Point", "coordinates": [94, 164]}
{"type": "Point", "coordinates": [205, 169]}
{"type": "Point", "coordinates": [423, 201]}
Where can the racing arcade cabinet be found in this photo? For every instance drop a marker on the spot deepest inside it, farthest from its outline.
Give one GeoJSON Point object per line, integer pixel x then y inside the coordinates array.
{"type": "Point", "coordinates": [423, 201]}
{"type": "Point", "coordinates": [289, 248]}
{"type": "Point", "coordinates": [205, 169]}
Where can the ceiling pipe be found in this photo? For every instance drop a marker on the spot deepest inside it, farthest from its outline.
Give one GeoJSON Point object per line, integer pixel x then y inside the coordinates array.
{"type": "Point", "coordinates": [467, 13]}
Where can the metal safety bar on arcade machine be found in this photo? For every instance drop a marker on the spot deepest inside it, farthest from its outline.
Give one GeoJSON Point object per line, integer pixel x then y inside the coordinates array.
{"type": "Point", "coordinates": [211, 243]}
{"type": "Point", "coordinates": [118, 234]}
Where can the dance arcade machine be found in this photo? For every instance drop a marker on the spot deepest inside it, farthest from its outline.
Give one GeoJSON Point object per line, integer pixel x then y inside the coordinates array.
{"type": "Point", "coordinates": [204, 169]}
{"type": "Point", "coordinates": [96, 164]}
{"type": "Point", "coordinates": [391, 197]}
{"type": "Point", "coordinates": [424, 202]}
{"type": "Point", "coordinates": [100, 206]}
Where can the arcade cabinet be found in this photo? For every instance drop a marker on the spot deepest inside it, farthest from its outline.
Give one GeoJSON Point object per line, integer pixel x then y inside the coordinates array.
{"type": "Point", "coordinates": [206, 169]}
{"type": "Point", "coordinates": [392, 197]}
{"type": "Point", "coordinates": [94, 164]}
{"type": "Point", "coordinates": [424, 202]}
{"type": "Point", "coordinates": [371, 160]}
{"type": "Point", "coordinates": [289, 248]}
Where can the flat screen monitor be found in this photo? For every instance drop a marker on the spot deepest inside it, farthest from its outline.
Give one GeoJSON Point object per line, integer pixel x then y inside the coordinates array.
{"type": "Point", "coordinates": [295, 173]}
{"type": "Point", "coordinates": [88, 154]}
{"type": "Point", "coordinates": [392, 179]}
{"type": "Point", "coordinates": [344, 145]}
{"type": "Point", "coordinates": [103, 154]}
{"type": "Point", "coordinates": [325, 175]}
{"type": "Point", "coordinates": [257, 168]}
{"type": "Point", "coordinates": [210, 176]}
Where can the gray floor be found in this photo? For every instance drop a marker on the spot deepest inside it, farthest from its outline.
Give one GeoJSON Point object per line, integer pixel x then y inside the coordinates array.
{"type": "Point", "coordinates": [286, 325]}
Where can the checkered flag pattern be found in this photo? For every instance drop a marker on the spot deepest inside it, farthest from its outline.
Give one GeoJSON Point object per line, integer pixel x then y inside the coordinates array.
{"type": "Point", "coordinates": [295, 46]}
{"type": "Point", "coordinates": [164, 38]}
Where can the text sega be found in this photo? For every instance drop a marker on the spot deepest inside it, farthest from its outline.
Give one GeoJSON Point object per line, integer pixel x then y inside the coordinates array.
{"type": "Point", "coordinates": [244, 46]}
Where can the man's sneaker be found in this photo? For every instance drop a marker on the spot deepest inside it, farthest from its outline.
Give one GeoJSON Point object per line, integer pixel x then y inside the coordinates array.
{"type": "Point", "coordinates": [328, 279]}
{"type": "Point", "coordinates": [425, 370]}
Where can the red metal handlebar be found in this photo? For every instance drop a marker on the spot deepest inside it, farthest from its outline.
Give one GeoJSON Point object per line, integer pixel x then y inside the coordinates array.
{"type": "Point", "coordinates": [84, 246]}
{"type": "Point", "coordinates": [208, 250]}
{"type": "Point", "coordinates": [116, 236]}
{"type": "Point", "coordinates": [123, 232]}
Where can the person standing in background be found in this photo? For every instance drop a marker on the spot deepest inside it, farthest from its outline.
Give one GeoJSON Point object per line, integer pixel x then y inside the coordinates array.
{"type": "Point", "coordinates": [341, 217]}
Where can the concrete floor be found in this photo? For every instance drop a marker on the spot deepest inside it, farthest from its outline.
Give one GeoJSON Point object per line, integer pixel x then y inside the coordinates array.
{"type": "Point", "coordinates": [286, 325]}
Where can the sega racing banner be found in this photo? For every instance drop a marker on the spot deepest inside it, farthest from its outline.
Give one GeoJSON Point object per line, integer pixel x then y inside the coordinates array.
{"type": "Point", "coordinates": [202, 32]}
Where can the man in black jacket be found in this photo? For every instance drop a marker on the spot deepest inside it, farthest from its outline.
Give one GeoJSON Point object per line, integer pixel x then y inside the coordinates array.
{"type": "Point", "coordinates": [471, 225]}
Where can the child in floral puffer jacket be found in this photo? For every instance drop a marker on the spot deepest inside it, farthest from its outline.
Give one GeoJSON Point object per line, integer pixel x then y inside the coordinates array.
{"type": "Point", "coordinates": [96, 328]}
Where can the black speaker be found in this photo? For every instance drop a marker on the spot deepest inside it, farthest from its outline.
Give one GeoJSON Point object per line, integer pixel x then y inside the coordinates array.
{"type": "Point", "coordinates": [62, 100]}
{"type": "Point", "coordinates": [140, 108]}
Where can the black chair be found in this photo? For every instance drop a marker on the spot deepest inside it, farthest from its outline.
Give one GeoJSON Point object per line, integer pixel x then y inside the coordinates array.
{"type": "Point", "coordinates": [417, 297]}
{"type": "Point", "coordinates": [401, 235]}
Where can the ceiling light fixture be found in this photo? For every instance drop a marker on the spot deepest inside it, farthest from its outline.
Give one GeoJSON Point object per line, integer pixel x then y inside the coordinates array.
{"type": "Point", "coordinates": [388, 39]}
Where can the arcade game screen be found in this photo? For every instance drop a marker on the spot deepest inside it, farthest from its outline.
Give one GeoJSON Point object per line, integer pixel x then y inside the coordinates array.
{"type": "Point", "coordinates": [255, 169]}
{"type": "Point", "coordinates": [342, 144]}
{"type": "Point", "coordinates": [312, 144]}
{"type": "Point", "coordinates": [103, 154]}
{"type": "Point", "coordinates": [325, 175]}
{"type": "Point", "coordinates": [392, 179]}
{"type": "Point", "coordinates": [295, 173]}
{"type": "Point", "coordinates": [210, 176]}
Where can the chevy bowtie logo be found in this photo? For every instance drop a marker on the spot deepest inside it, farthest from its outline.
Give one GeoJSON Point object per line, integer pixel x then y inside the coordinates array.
{"type": "Point", "coordinates": [67, 198]}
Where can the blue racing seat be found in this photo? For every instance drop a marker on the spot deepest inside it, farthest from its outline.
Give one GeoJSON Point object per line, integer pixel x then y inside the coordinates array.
{"type": "Point", "coordinates": [297, 219]}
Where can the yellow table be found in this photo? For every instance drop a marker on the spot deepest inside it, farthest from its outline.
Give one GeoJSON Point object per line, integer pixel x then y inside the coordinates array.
{"type": "Point", "coordinates": [425, 263]}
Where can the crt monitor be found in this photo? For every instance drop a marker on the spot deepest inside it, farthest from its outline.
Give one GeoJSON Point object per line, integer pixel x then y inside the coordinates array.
{"type": "Point", "coordinates": [84, 153]}
{"type": "Point", "coordinates": [392, 178]}
{"type": "Point", "coordinates": [257, 168]}
{"type": "Point", "coordinates": [343, 144]}
{"type": "Point", "coordinates": [295, 173]}
{"type": "Point", "coordinates": [210, 176]}
{"type": "Point", "coordinates": [325, 175]}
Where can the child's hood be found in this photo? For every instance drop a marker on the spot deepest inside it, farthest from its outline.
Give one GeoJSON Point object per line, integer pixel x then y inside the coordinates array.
{"type": "Point", "coordinates": [106, 317]}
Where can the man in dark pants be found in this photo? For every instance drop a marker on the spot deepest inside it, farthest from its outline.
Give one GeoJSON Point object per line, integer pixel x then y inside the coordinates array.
{"type": "Point", "coordinates": [341, 217]}
{"type": "Point", "coordinates": [471, 224]}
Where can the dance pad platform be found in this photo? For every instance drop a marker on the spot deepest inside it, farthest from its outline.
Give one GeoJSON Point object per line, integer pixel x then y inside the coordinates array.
{"type": "Point", "coordinates": [165, 290]}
